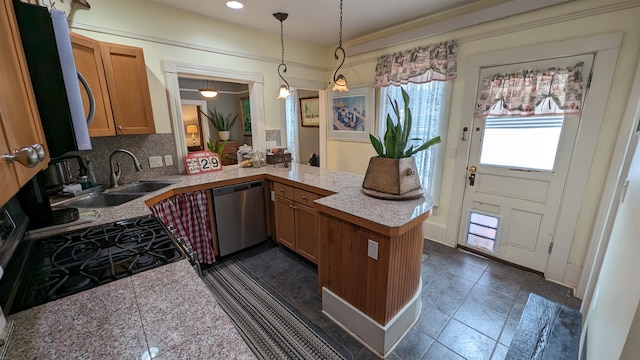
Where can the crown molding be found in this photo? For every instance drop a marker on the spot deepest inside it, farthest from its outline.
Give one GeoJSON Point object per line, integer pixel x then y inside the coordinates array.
{"type": "Point", "coordinates": [188, 45]}
{"type": "Point", "coordinates": [472, 19]}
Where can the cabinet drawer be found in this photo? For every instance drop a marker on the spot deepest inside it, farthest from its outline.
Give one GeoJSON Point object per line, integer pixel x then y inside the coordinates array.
{"type": "Point", "coordinates": [304, 197]}
{"type": "Point", "coordinates": [283, 190]}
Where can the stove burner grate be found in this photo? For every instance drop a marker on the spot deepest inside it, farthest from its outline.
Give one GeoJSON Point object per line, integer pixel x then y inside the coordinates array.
{"type": "Point", "coordinates": [80, 260]}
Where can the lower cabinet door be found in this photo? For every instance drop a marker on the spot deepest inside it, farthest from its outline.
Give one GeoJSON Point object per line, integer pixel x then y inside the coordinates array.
{"type": "Point", "coordinates": [285, 222]}
{"type": "Point", "coordinates": [307, 232]}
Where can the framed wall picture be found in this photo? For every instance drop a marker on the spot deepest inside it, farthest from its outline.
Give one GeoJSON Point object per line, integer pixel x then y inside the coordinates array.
{"type": "Point", "coordinates": [310, 112]}
{"type": "Point", "coordinates": [245, 113]}
{"type": "Point", "coordinates": [351, 115]}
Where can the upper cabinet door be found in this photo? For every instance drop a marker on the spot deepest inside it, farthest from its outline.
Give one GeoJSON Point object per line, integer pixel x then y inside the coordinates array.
{"type": "Point", "coordinates": [126, 76]}
{"type": "Point", "coordinates": [88, 58]}
{"type": "Point", "coordinates": [18, 111]}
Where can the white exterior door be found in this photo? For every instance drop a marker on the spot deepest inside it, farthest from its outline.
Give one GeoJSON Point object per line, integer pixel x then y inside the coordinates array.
{"type": "Point", "coordinates": [516, 169]}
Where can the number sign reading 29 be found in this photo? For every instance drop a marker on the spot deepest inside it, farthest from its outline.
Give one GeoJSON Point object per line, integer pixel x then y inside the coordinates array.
{"type": "Point", "coordinates": [202, 162]}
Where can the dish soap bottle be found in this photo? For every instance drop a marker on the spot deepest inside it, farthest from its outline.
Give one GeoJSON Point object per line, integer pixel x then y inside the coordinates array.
{"type": "Point", "coordinates": [91, 176]}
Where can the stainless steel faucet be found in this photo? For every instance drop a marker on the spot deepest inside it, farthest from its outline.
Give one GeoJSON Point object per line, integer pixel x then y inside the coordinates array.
{"type": "Point", "coordinates": [115, 175]}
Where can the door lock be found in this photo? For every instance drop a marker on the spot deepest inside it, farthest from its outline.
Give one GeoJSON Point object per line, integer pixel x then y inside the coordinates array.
{"type": "Point", "coordinates": [472, 175]}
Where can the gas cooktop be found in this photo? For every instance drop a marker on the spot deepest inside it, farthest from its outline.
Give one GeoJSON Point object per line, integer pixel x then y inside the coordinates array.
{"type": "Point", "coordinates": [51, 268]}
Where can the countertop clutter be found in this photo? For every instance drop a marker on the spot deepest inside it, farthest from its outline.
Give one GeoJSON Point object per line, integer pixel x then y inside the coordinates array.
{"type": "Point", "coordinates": [147, 314]}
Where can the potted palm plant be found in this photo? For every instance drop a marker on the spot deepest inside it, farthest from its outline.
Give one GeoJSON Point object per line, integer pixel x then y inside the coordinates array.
{"type": "Point", "coordinates": [394, 171]}
{"type": "Point", "coordinates": [221, 123]}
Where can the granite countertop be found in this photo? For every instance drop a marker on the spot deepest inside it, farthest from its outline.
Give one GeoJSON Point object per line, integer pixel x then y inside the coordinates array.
{"type": "Point", "coordinates": [347, 198]}
{"type": "Point", "coordinates": [166, 311]}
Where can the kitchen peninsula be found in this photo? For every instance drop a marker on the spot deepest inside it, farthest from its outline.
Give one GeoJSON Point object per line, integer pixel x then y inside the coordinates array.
{"type": "Point", "coordinates": [148, 310]}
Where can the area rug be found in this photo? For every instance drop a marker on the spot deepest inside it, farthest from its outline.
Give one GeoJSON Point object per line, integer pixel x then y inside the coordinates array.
{"type": "Point", "coordinates": [271, 327]}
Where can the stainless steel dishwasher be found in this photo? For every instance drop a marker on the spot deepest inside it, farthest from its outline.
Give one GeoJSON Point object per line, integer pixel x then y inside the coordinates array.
{"type": "Point", "coordinates": [240, 216]}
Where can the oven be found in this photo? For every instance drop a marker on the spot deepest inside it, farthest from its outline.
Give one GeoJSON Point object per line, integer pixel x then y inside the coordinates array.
{"type": "Point", "coordinates": [43, 270]}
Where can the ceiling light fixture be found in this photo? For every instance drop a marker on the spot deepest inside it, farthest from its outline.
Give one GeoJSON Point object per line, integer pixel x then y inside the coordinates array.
{"type": "Point", "coordinates": [206, 91]}
{"type": "Point", "coordinates": [236, 5]}
{"type": "Point", "coordinates": [284, 88]}
{"type": "Point", "coordinates": [339, 81]}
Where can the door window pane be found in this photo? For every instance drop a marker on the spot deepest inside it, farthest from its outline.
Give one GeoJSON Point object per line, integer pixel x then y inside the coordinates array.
{"type": "Point", "coordinates": [529, 143]}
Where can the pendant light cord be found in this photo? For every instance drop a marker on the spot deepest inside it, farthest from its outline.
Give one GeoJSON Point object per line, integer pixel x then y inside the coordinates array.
{"type": "Point", "coordinates": [340, 36]}
{"type": "Point", "coordinates": [339, 49]}
{"type": "Point", "coordinates": [281, 17]}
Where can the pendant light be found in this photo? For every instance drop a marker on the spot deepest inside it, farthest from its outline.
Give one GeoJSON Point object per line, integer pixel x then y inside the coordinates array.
{"type": "Point", "coordinates": [206, 91]}
{"type": "Point", "coordinates": [284, 88]}
{"type": "Point", "coordinates": [339, 81]}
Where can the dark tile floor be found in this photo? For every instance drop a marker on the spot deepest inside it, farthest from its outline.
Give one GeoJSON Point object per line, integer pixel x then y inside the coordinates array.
{"type": "Point", "coordinates": [470, 305]}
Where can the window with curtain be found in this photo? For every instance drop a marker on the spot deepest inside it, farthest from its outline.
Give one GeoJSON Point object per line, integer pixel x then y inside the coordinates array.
{"type": "Point", "coordinates": [430, 110]}
{"type": "Point", "coordinates": [291, 114]}
{"type": "Point", "coordinates": [415, 70]}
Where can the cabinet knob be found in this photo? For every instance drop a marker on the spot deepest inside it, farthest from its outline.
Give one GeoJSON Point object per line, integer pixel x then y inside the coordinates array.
{"type": "Point", "coordinates": [26, 156]}
{"type": "Point", "coordinates": [304, 197]}
{"type": "Point", "coordinates": [281, 190]}
{"type": "Point", "coordinates": [120, 127]}
{"type": "Point", "coordinates": [39, 151]}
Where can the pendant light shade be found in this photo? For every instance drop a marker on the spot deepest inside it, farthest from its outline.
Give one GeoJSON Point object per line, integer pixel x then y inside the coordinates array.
{"type": "Point", "coordinates": [339, 81]}
{"type": "Point", "coordinates": [208, 91]}
{"type": "Point", "coordinates": [282, 68]}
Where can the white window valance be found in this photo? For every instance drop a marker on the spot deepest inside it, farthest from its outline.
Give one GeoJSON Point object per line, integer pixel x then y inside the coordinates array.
{"type": "Point", "coordinates": [418, 65]}
{"type": "Point", "coordinates": [549, 92]}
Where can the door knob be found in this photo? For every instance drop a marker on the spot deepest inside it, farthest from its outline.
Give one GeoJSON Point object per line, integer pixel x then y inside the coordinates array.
{"type": "Point", "coordinates": [472, 175]}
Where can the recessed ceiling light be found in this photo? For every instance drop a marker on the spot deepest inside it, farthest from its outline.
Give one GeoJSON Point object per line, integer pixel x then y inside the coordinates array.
{"type": "Point", "coordinates": [235, 5]}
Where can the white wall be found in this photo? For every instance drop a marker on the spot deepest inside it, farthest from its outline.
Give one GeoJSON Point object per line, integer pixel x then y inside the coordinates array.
{"type": "Point", "coordinates": [617, 292]}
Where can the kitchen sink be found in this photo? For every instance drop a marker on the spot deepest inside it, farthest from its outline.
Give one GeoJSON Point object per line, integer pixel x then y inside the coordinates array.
{"type": "Point", "coordinates": [141, 187]}
{"type": "Point", "coordinates": [101, 200]}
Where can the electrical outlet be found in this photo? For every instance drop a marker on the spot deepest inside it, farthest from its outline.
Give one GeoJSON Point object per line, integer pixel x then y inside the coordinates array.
{"type": "Point", "coordinates": [452, 153]}
{"type": "Point", "coordinates": [168, 160]}
{"type": "Point", "coordinates": [372, 250]}
{"type": "Point", "coordinates": [155, 161]}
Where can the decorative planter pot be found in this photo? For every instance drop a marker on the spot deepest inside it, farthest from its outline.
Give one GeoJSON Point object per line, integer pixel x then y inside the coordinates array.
{"type": "Point", "coordinates": [223, 135]}
{"type": "Point", "coordinates": [396, 177]}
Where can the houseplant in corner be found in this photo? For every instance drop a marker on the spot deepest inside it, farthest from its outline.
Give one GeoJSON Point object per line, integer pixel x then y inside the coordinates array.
{"type": "Point", "coordinates": [221, 123]}
{"type": "Point", "coordinates": [393, 173]}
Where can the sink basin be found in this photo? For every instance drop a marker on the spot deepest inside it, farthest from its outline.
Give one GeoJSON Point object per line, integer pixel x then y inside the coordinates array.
{"type": "Point", "coordinates": [101, 200]}
{"type": "Point", "coordinates": [141, 187]}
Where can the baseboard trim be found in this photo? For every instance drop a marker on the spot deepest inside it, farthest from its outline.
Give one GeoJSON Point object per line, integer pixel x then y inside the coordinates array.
{"type": "Point", "coordinates": [381, 340]}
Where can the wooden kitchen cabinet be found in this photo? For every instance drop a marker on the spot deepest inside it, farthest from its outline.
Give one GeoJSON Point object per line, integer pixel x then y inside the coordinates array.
{"type": "Point", "coordinates": [117, 76]}
{"type": "Point", "coordinates": [296, 220]}
{"type": "Point", "coordinates": [20, 124]}
{"type": "Point", "coordinates": [128, 88]}
{"type": "Point", "coordinates": [88, 58]}
{"type": "Point", "coordinates": [285, 222]}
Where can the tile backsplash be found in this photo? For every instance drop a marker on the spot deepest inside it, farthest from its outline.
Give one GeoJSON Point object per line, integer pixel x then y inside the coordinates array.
{"type": "Point", "coordinates": [142, 146]}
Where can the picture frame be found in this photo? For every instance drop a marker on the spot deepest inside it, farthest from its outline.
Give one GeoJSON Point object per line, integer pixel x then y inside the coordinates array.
{"type": "Point", "coordinates": [310, 112]}
{"type": "Point", "coordinates": [351, 114]}
{"type": "Point", "coordinates": [245, 115]}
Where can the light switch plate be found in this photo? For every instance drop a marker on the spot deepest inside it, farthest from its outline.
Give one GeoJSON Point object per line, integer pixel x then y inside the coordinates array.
{"type": "Point", "coordinates": [372, 250]}
{"type": "Point", "coordinates": [155, 161]}
{"type": "Point", "coordinates": [168, 160]}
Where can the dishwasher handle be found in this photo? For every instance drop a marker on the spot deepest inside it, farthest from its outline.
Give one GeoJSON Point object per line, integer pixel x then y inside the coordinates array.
{"type": "Point", "coordinates": [230, 189]}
